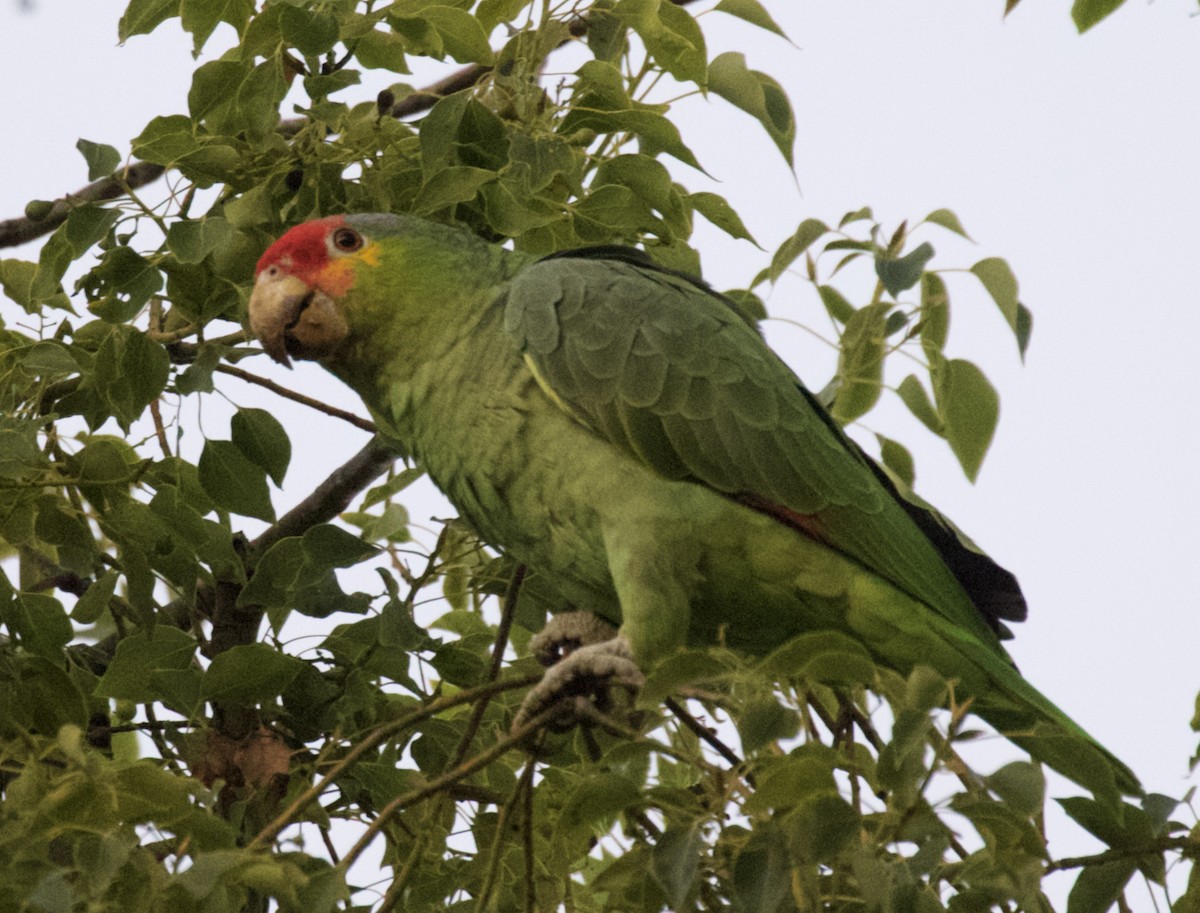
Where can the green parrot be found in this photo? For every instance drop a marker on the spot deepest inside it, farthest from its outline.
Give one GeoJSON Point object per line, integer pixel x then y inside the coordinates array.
{"type": "Point", "coordinates": [623, 430]}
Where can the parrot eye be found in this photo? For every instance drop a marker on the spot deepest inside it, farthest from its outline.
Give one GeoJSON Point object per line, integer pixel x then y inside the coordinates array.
{"type": "Point", "coordinates": [347, 240]}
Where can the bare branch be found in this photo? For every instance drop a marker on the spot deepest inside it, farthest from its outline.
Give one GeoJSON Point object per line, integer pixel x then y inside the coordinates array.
{"type": "Point", "coordinates": [298, 397]}
{"type": "Point", "coordinates": [23, 229]}
{"type": "Point", "coordinates": [331, 497]}
{"type": "Point", "coordinates": [1188, 848]}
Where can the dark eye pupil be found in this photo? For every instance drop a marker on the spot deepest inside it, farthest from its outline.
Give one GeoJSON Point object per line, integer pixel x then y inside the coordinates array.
{"type": "Point", "coordinates": [346, 239]}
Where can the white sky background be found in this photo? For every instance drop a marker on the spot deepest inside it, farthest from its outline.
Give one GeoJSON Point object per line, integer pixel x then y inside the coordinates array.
{"type": "Point", "coordinates": [1075, 158]}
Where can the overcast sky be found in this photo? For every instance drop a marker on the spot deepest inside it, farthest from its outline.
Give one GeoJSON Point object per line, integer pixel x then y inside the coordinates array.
{"type": "Point", "coordinates": [1073, 157]}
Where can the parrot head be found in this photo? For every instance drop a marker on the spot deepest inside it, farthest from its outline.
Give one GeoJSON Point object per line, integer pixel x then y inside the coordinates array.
{"type": "Point", "coordinates": [295, 309]}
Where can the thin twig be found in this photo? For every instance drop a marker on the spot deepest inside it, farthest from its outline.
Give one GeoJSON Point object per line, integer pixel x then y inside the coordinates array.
{"type": "Point", "coordinates": [513, 740]}
{"type": "Point", "coordinates": [1189, 847]}
{"type": "Point", "coordinates": [375, 738]}
{"type": "Point", "coordinates": [295, 397]}
{"type": "Point", "coordinates": [703, 732]}
{"type": "Point", "coordinates": [508, 610]}
{"type": "Point", "coordinates": [23, 229]}
{"type": "Point", "coordinates": [159, 431]}
{"type": "Point", "coordinates": [526, 786]}
{"type": "Point", "coordinates": [506, 811]}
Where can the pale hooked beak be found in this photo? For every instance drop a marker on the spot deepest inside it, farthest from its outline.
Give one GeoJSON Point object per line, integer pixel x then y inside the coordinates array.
{"type": "Point", "coordinates": [290, 318]}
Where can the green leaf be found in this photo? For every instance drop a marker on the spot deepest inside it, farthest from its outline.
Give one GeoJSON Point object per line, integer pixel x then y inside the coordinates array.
{"type": "Point", "coordinates": [611, 212]}
{"type": "Point", "coordinates": [201, 17]}
{"type": "Point", "coordinates": [1098, 887]}
{"type": "Point", "coordinates": [1021, 786]}
{"type": "Point", "coordinates": [860, 363]}
{"type": "Point", "coordinates": [997, 277]}
{"type": "Point", "coordinates": [140, 658]}
{"type": "Point", "coordinates": [1024, 329]}
{"type": "Point", "coordinates": [675, 860]}
{"type": "Point", "coordinates": [17, 280]}
{"type": "Point", "coordinates": [717, 210]}
{"type": "Point", "coordinates": [596, 800]}
{"type": "Point", "coordinates": [249, 674]}
{"type": "Point", "coordinates": [308, 31]}
{"type": "Point", "coordinates": [670, 34]}
{"type": "Point", "coordinates": [392, 487]}
{"type": "Point", "coordinates": [758, 95]}
{"type": "Point", "coordinates": [948, 220]}
{"type": "Point", "coordinates": [753, 12]}
{"type": "Point", "coordinates": [141, 17]}
{"type": "Point", "coordinates": [764, 721]}
{"type": "Point", "coordinates": [822, 827]}
{"type": "Point", "coordinates": [970, 408]}
{"type": "Point", "coordinates": [327, 545]}
{"type": "Point", "coordinates": [233, 481]}
{"type": "Point", "coordinates": [656, 133]}
{"type": "Point", "coordinates": [934, 324]}
{"type": "Point", "coordinates": [232, 97]}
{"type": "Point", "coordinates": [147, 793]}
{"type": "Point", "coordinates": [836, 305]}
{"type": "Point", "coordinates": [165, 140]}
{"type": "Point", "coordinates": [801, 239]}
{"type": "Point", "coordinates": [87, 226]}
{"type": "Point", "coordinates": [1087, 13]}
{"type": "Point", "coordinates": [827, 657]}
{"type": "Point", "coordinates": [39, 623]}
{"type": "Point", "coordinates": [544, 159]}
{"type": "Point", "coordinates": [803, 774]}
{"type": "Point", "coordinates": [492, 12]}
{"type": "Point", "coordinates": [684, 667]}
{"type": "Point", "coordinates": [38, 695]}
{"type": "Point", "coordinates": [455, 32]}
{"type": "Point", "coordinates": [95, 599]}
{"type": "Point", "coordinates": [101, 160]}
{"type": "Point", "coordinates": [896, 457]}
{"type": "Point", "coordinates": [761, 875]}
{"type": "Point", "coordinates": [857, 215]}
{"type": "Point", "coordinates": [191, 240]}
{"type": "Point", "coordinates": [912, 394]}
{"type": "Point", "coordinates": [456, 184]}
{"type": "Point", "coordinates": [124, 281]}
{"type": "Point", "coordinates": [380, 50]}
{"type": "Point", "coordinates": [647, 177]}
{"type": "Point", "coordinates": [901, 273]}
{"type": "Point", "coordinates": [262, 439]}
{"type": "Point", "coordinates": [130, 370]}
{"type": "Point", "coordinates": [297, 573]}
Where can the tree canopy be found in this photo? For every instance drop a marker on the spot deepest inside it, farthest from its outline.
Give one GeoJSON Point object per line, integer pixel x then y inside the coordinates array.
{"type": "Point", "coordinates": [216, 698]}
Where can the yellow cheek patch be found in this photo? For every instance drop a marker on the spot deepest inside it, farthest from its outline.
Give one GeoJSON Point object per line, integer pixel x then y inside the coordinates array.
{"type": "Point", "coordinates": [337, 277]}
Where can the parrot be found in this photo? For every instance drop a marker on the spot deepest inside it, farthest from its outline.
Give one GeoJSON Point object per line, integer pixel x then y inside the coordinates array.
{"type": "Point", "coordinates": [624, 431]}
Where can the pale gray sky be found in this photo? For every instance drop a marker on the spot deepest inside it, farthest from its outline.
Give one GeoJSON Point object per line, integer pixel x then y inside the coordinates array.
{"type": "Point", "coordinates": [1073, 157]}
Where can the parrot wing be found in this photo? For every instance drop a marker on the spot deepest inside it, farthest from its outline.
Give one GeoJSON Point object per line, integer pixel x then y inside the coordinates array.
{"type": "Point", "coordinates": [663, 367]}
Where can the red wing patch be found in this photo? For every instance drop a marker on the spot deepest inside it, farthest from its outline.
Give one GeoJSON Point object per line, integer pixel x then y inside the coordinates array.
{"type": "Point", "coordinates": [807, 524]}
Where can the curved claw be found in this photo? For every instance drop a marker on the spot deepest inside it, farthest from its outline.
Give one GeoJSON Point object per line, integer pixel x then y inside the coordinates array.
{"type": "Point", "coordinates": [565, 633]}
{"type": "Point", "coordinates": [588, 674]}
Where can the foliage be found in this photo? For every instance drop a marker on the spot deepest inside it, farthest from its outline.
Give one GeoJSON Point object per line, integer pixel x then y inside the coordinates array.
{"type": "Point", "coordinates": [159, 751]}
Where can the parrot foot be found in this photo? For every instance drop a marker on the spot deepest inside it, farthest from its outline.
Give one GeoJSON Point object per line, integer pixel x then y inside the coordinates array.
{"type": "Point", "coordinates": [587, 660]}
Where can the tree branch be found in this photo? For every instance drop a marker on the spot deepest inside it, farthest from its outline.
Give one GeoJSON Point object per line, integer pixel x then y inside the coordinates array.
{"type": "Point", "coordinates": [1187, 846]}
{"type": "Point", "coordinates": [23, 229]}
{"type": "Point", "coordinates": [331, 497]}
{"type": "Point", "coordinates": [297, 397]}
